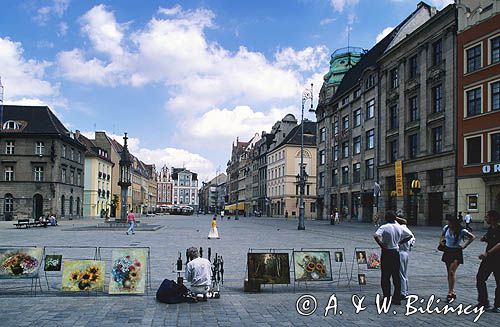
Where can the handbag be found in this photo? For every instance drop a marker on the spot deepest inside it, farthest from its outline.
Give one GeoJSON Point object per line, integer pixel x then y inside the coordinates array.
{"type": "Point", "coordinates": [441, 247]}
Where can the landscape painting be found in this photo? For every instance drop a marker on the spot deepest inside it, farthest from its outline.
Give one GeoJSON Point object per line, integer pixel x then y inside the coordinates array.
{"type": "Point", "coordinates": [312, 266]}
{"type": "Point", "coordinates": [128, 271]}
{"type": "Point", "coordinates": [83, 275]}
{"type": "Point", "coordinates": [268, 268]}
{"type": "Point", "coordinates": [20, 262]}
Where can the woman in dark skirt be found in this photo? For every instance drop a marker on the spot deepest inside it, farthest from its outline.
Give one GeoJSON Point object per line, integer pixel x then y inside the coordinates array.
{"type": "Point", "coordinates": [452, 237]}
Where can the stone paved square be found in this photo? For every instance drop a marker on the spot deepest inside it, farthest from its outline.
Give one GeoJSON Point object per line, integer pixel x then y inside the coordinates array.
{"type": "Point", "coordinates": [274, 306]}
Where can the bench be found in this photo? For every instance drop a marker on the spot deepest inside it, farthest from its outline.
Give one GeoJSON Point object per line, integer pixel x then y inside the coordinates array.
{"type": "Point", "coordinates": [22, 223]}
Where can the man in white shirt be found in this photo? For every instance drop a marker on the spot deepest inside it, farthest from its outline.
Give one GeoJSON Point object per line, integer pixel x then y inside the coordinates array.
{"type": "Point", "coordinates": [404, 255]}
{"type": "Point", "coordinates": [198, 273]}
{"type": "Point", "coordinates": [389, 236]}
{"type": "Point", "coordinates": [468, 219]}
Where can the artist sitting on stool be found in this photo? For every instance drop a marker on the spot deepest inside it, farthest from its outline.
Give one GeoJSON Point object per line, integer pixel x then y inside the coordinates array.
{"type": "Point", "coordinates": [198, 273]}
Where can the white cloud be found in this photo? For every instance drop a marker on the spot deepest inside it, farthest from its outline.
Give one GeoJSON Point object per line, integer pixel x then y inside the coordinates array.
{"type": "Point", "coordinates": [23, 77]}
{"type": "Point", "coordinates": [439, 4]}
{"type": "Point", "coordinates": [383, 34]}
{"type": "Point", "coordinates": [26, 102]}
{"type": "Point", "coordinates": [326, 21]}
{"type": "Point", "coordinates": [60, 7]}
{"type": "Point", "coordinates": [308, 59]}
{"type": "Point", "coordinates": [62, 29]}
{"type": "Point", "coordinates": [43, 14]}
{"type": "Point", "coordinates": [340, 5]}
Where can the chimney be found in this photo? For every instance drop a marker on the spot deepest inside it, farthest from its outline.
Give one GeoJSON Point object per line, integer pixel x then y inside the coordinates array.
{"type": "Point", "coordinates": [77, 134]}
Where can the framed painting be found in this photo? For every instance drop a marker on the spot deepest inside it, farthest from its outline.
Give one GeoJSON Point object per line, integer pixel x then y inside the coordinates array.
{"type": "Point", "coordinates": [268, 268]}
{"type": "Point", "coordinates": [361, 279]}
{"type": "Point", "coordinates": [128, 271]}
{"type": "Point", "coordinates": [20, 262]}
{"type": "Point", "coordinates": [83, 275]}
{"type": "Point", "coordinates": [339, 256]}
{"type": "Point", "coordinates": [373, 261]}
{"type": "Point", "coordinates": [361, 257]}
{"type": "Point", "coordinates": [53, 262]}
{"type": "Point", "coordinates": [312, 265]}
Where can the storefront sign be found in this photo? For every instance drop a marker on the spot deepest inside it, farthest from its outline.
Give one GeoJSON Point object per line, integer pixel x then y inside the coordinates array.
{"type": "Point", "coordinates": [398, 166]}
{"type": "Point", "coordinates": [487, 169]}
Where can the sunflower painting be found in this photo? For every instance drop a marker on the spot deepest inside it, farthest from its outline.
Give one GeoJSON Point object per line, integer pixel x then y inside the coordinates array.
{"type": "Point", "coordinates": [312, 266]}
{"type": "Point", "coordinates": [20, 262]}
{"type": "Point", "coordinates": [128, 271]}
{"type": "Point", "coordinates": [83, 275]}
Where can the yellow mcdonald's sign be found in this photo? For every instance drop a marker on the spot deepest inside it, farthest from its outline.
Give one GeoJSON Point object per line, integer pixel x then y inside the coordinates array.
{"type": "Point", "coordinates": [398, 167]}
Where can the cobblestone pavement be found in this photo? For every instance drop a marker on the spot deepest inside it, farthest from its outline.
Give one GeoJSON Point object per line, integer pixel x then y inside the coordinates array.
{"type": "Point", "coordinates": [275, 306]}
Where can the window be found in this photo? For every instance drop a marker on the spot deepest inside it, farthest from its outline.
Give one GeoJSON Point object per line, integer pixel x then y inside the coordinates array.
{"type": "Point", "coordinates": [72, 154]}
{"type": "Point", "coordinates": [394, 78]}
{"type": "Point", "coordinates": [495, 96]}
{"type": "Point", "coordinates": [495, 146]}
{"type": "Point", "coordinates": [336, 152]}
{"type": "Point", "coordinates": [437, 52]}
{"type": "Point", "coordinates": [370, 109]}
{"type": "Point", "coordinates": [437, 98]}
{"type": "Point", "coordinates": [9, 147]}
{"type": "Point", "coordinates": [335, 177]}
{"type": "Point", "coordinates": [336, 127]}
{"type": "Point", "coordinates": [356, 172]}
{"type": "Point", "coordinates": [474, 102]}
{"type": "Point", "coordinates": [393, 117]}
{"type": "Point", "coordinates": [322, 134]}
{"type": "Point", "coordinates": [345, 100]}
{"type": "Point", "coordinates": [369, 169]}
{"type": "Point", "coordinates": [413, 146]}
{"type": "Point", "coordinates": [345, 149]}
{"type": "Point", "coordinates": [370, 81]}
{"type": "Point", "coordinates": [38, 174]}
{"type": "Point", "coordinates": [474, 145]}
{"type": "Point", "coordinates": [472, 202]}
{"type": "Point", "coordinates": [473, 58]}
{"type": "Point", "coordinates": [79, 179]}
{"type": "Point", "coordinates": [413, 114]}
{"type": "Point", "coordinates": [39, 148]}
{"type": "Point", "coordinates": [495, 49]}
{"type": "Point", "coordinates": [9, 203]}
{"type": "Point", "coordinates": [322, 157]}
{"type": "Point", "coordinates": [357, 118]}
{"type": "Point", "coordinates": [357, 144]}
{"type": "Point", "coordinates": [10, 124]}
{"type": "Point", "coordinates": [79, 157]}
{"type": "Point", "coordinates": [63, 151]}
{"type": "Point", "coordinates": [437, 139]}
{"type": "Point", "coordinates": [63, 176]}
{"type": "Point", "coordinates": [345, 122]}
{"type": "Point", "coordinates": [72, 177]}
{"type": "Point", "coordinates": [393, 151]}
{"type": "Point", "coordinates": [357, 93]}
{"type": "Point", "coordinates": [345, 175]}
{"type": "Point", "coordinates": [370, 139]}
{"type": "Point", "coordinates": [321, 179]}
{"type": "Point", "coordinates": [435, 177]}
{"type": "Point", "coordinates": [413, 66]}
{"type": "Point", "coordinates": [9, 173]}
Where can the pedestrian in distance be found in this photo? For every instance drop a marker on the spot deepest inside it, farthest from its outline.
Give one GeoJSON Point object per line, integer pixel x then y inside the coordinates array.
{"type": "Point", "coordinates": [131, 222]}
{"type": "Point", "coordinates": [213, 230]}
{"type": "Point", "coordinates": [451, 238]}
{"type": "Point", "coordinates": [222, 215]}
{"type": "Point", "coordinates": [490, 262]}
{"type": "Point", "coordinates": [460, 217]}
{"type": "Point", "coordinates": [468, 220]}
{"type": "Point", "coordinates": [389, 236]}
{"type": "Point", "coordinates": [404, 256]}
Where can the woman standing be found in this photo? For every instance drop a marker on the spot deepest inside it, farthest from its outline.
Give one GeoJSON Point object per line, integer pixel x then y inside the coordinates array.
{"type": "Point", "coordinates": [451, 238]}
{"type": "Point", "coordinates": [131, 222]}
{"type": "Point", "coordinates": [213, 231]}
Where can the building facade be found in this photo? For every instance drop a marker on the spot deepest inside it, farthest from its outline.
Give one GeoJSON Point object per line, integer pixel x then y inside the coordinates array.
{"type": "Point", "coordinates": [478, 107]}
{"type": "Point", "coordinates": [164, 188]}
{"type": "Point", "coordinates": [185, 187]}
{"type": "Point", "coordinates": [417, 117]}
{"type": "Point", "coordinates": [42, 165]}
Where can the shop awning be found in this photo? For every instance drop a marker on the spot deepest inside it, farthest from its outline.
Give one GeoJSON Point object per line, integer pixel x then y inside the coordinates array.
{"type": "Point", "coordinates": [241, 206]}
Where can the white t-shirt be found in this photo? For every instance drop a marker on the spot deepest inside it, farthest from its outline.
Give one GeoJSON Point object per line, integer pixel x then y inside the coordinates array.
{"type": "Point", "coordinates": [199, 272]}
{"type": "Point", "coordinates": [406, 246]}
{"type": "Point", "coordinates": [467, 218]}
{"type": "Point", "coordinates": [392, 234]}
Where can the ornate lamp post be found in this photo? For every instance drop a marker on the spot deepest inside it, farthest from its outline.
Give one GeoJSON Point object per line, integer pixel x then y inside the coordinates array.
{"type": "Point", "coordinates": [415, 188]}
{"type": "Point", "coordinates": [307, 94]}
{"type": "Point", "coordinates": [124, 181]}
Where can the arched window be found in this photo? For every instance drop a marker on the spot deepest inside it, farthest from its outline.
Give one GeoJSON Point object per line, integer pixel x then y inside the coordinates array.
{"type": "Point", "coordinates": [71, 205]}
{"type": "Point", "coordinates": [11, 124]}
{"type": "Point", "coordinates": [8, 203]}
{"type": "Point", "coordinates": [62, 205]}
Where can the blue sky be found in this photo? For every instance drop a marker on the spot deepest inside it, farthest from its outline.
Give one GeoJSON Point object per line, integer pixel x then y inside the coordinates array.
{"type": "Point", "coordinates": [184, 79]}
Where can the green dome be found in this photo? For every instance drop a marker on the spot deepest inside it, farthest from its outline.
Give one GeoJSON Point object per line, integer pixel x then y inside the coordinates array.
{"type": "Point", "coordinates": [340, 62]}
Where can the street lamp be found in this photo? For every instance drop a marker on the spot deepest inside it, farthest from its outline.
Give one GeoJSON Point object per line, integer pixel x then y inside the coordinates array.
{"type": "Point", "coordinates": [307, 94]}
{"type": "Point", "coordinates": [415, 188]}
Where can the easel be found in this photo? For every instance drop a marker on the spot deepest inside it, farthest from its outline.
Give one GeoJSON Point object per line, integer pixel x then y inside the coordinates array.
{"type": "Point", "coordinates": [35, 280]}
{"type": "Point", "coordinates": [366, 250]}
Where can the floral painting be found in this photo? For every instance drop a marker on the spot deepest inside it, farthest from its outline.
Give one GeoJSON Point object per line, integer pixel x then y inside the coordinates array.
{"type": "Point", "coordinates": [83, 275]}
{"type": "Point", "coordinates": [312, 266]}
{"type": "Point", "coordinates": [20, 262]}
{"type": "Point", "coordinates": [268, 268]}
{"type": "Point", "coordinates": [53, 262]}
{"type": "Point", "coordinates": [128, 271]}
{"type": "Point", "coordinates": [373, 261]}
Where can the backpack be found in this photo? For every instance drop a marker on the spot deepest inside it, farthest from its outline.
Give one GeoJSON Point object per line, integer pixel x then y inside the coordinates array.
{"type": "Point", "coordinates": [170, 292]}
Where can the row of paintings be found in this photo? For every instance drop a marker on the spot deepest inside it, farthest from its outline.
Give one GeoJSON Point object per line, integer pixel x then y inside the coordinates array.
{"type": "Point", "coordinates": [128, 269]}
{"type": "Point", "coordinates": [273, 268]}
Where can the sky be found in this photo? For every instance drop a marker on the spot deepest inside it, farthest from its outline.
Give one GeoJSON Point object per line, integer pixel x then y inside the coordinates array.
{"type": "Point", "coordinates": [184, 79]}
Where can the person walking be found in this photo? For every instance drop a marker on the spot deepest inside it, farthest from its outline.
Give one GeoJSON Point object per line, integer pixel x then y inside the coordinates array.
{"type": "Point", "coordinates": [389, 236]}
{"type": "Point", "coordinates": [222, 215]}
{"type": "Point", "coordinates": [404, 255]}
{"type": "Point", "coordinates": [468, 220]}
{"type": "Point", "coordinates": [451, 238]}
{"type": "Point", "coordinates": [213, 231]}
{"type": "Point", "coordinates": [131, 222]}
{"type": "Point", "coordinates": [490, 262]}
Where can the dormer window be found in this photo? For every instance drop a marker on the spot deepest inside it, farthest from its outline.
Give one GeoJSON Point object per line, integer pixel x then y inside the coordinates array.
{"type": "Point", "coordinates": [11, 124]}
